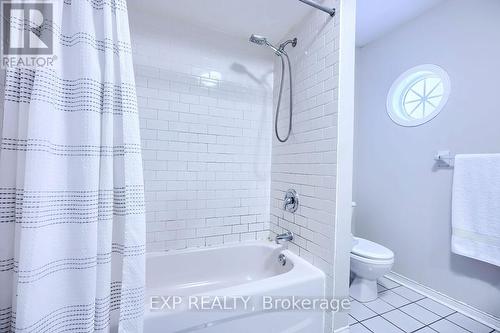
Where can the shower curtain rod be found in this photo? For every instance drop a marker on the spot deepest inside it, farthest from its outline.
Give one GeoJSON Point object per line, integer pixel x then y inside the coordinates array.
{"type": "Point", "coordinates": [311, 3]}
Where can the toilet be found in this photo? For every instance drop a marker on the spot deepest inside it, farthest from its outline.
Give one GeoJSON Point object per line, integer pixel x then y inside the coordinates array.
{"type": "Point", "coordinates": [369, 262]}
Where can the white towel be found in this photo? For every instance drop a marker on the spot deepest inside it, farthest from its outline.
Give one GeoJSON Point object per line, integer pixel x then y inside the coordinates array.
{"type": "Point", "coordinates": [476, 207]}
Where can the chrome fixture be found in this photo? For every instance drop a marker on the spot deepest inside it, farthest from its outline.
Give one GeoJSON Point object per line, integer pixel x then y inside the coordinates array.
{"type": "Point", "coordinates": [257, 39]}
{"type": "Point", "coordinates": [282, 259]}
{"type": "Point", "coordinates": [287, 237]}
{"type": "Point", "coordinates": [316, 5]}
{"type": "Point", "coordinates": [444, 159]}
{"type": "Point", "coordinates": [291, 201]}
{"type": "Point", "coordinates": [280, 52]}
{"type": "Point", "coordinates": [260, 40]}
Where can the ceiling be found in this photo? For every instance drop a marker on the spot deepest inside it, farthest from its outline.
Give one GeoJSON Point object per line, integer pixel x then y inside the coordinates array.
{"type": "Point", "coordinates": [274, 18]}
{"type": "Point", "coordinates": [239, 18]}
{"type": "Point", "coordinates": [378, 17]}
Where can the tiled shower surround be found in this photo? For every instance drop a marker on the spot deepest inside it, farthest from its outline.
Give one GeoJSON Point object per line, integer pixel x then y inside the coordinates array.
{"type": "Point", "coordinates": [307, 162]}
{"type": "Point", "coordinates": [205, 169]}
{"type": "Point", "coordinates": [206, 131]}
{"type": "Point", "coordinates": [208, 140]}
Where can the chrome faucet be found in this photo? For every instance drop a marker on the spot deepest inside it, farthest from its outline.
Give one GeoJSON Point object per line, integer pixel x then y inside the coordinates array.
{"type": "Point", "coordinates": [287, 237]}
{"type": "Point", "coordinates": [291, 201]}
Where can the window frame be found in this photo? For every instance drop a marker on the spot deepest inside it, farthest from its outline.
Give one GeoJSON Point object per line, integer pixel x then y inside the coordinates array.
{"type": "Point", "coordinates": [396, 95]}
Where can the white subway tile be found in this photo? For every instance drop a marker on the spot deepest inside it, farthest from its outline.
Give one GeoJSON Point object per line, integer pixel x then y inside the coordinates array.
{"type": "Point", "coordinates": [207, 151]}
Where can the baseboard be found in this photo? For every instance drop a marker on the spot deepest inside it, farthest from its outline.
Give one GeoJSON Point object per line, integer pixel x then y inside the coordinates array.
{"type": "Point", "coordinates": [342, 330]}
{"type": "Point", "coordinates": [458, 306]}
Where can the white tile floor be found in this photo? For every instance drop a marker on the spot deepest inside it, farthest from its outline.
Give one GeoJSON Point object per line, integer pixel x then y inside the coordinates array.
{"type": "Point", "coordinates": [400, 309]}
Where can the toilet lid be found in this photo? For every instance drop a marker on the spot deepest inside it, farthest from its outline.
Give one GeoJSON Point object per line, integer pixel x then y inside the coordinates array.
{"type": "Point", "coordinates": [367, 249]}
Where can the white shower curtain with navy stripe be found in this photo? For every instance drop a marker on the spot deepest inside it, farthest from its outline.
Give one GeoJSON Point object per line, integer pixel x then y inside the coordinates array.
{"type": "Point", "coordinates": [71, 188]}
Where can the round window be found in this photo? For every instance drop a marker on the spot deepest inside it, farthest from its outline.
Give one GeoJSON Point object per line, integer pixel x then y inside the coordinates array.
{"type": "Point", "coordinates": [418, 95]}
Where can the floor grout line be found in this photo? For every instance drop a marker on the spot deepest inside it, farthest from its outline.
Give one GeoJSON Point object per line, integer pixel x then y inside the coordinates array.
{"type": "Point", "coordinates": [380, 315]}
{"type": "Point", "coordinates": [363, 322]}
{"type": "Point", "coordinates": [429, 325]}
{"type": "Point", "coordinates": [366, 327]}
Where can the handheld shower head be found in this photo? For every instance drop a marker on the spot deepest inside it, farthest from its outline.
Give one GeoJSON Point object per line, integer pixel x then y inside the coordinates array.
{"type": "Point", "coordinates": [259, 40]}
{"type": "Point", "coordinates": [281, 53]}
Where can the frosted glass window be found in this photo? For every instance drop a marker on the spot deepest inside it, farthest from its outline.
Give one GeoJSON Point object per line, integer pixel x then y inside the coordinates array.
{"type": "Point", "coordinates": [418, 95]}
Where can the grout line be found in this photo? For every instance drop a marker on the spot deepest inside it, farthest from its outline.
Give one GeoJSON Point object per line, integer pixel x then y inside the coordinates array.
{"type": "Point", "coordinates": [469, 311]}
{"type": "Point", "coordinates": [402, 330]}
{"type": "Point", "coordinates": [441, 318]}
{"type": "Point", "coordinates": [433, 311]}
{"type": "Point", "coordinates": [464, 327]}
{"type": "Point", "coordinates": [366, 327]}
{"type": "Point", "coordinates": [398, 308]}
{"type": "Point", "coordinates": [392, 306]}
{"type": "Point", "coordinates": [425, 325]}
{"type": "Point", "coordinates": [411, 302]}
{"type": "Point", "coordinates": [380, 315]}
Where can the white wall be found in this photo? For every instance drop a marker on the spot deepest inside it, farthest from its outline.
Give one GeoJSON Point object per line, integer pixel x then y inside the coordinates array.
{"type": "Point", "coordinates": [345, 157]}
{"type": "Point", "coordinates": [307, 161]}
{"type": "Point", "coordinates": [205, 108]}
{"type": "Point", "coordinates": [2, 91]}
{"type": "Point", "coordinates": [403, 202]}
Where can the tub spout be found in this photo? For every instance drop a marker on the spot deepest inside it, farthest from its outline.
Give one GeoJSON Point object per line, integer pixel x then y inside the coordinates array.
{"type": "Point", "coordinates": [287, 237]}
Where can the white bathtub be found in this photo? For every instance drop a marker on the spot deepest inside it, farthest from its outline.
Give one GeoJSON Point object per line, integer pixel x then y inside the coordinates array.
{"type": "Point", "coordinates": [247, 269]}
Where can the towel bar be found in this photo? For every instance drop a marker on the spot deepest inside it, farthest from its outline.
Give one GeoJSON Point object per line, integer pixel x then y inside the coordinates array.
{"type": "Point", "coordinates": [444, 159]}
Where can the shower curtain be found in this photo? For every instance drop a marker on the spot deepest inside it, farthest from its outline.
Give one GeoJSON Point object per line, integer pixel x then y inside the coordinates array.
{"type": "Point", "coordinates": [71, 188]}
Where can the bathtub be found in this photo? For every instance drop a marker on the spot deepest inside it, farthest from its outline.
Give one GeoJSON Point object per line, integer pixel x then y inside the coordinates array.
{"type": "Point", "coordinates": [249, 270]}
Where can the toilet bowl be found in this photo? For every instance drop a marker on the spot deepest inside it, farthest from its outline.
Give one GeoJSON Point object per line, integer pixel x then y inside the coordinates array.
{"type": "Point", "coordinates": [369, 262]}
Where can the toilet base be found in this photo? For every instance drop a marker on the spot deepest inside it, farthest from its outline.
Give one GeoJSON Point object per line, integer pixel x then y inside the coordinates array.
{"type": "Point", "coordinates": [363, 290]}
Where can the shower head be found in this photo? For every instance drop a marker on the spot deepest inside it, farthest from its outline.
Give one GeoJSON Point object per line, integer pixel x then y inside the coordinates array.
{"type": "Point", "coordinates": [259, 40]}
{"type": "Point", "coordinates": [280, 52]}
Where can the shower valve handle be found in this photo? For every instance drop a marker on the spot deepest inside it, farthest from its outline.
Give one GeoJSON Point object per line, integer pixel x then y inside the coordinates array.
{"type": "Point", "coordinates": [291, 201]}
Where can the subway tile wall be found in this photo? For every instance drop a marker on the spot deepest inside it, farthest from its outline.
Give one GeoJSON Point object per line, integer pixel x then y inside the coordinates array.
{"type": "Point", "coordinates": [206, 136]}
{"type": "Point", "coordinates": [307, 162]}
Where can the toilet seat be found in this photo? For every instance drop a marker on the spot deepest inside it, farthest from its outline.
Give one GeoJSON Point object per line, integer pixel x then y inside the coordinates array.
{"type": "Point", "coordinates": [370, 252]}
{"type": "Point", "coordinates": [373, 262]}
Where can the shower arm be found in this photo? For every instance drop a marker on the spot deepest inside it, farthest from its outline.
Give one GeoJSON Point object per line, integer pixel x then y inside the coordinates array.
{"type": "Point", "coordinates": [330, 11]}
{"type": "Point", "coordinates": [290, 41]}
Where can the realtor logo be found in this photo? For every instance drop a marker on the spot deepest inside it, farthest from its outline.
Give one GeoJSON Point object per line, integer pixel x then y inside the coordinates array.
{"type": "Point", "coordinates": [27, 36]}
